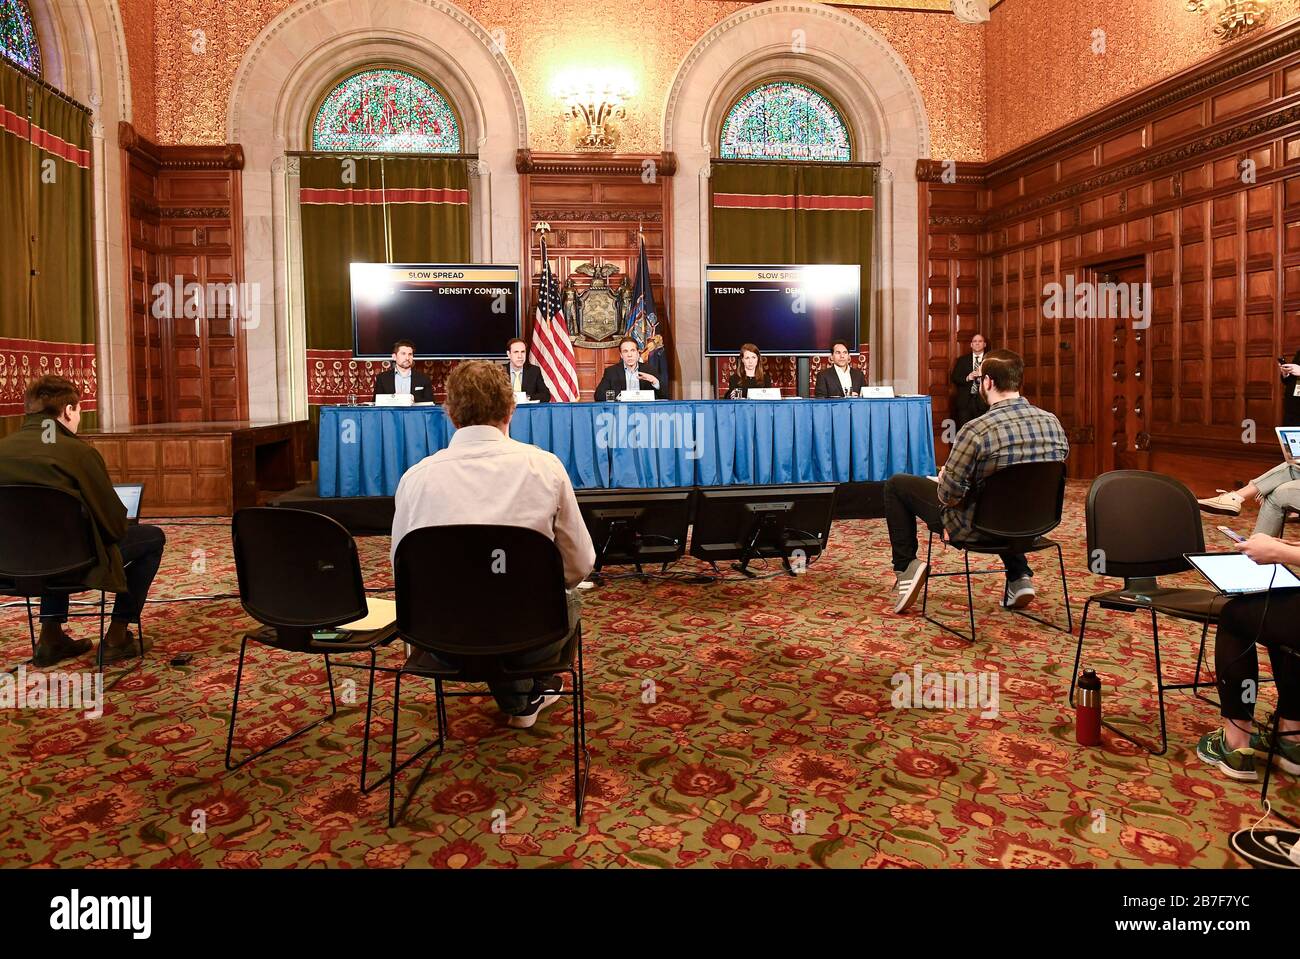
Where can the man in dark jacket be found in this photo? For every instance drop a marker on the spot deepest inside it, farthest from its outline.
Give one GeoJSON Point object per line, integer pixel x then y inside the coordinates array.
{"type": "Point", "coordinates": [403, 377]}
{"type": "Point", "coordinates": [840, 379]}
{"type": "Point", "coordinates": [627, 375]}
{"type": "Point", "coordinates": [45, 451]}
{"type": "Point", "coordinates": [525, 377]}
{"type": "Point", "coordinates": [966, 377]}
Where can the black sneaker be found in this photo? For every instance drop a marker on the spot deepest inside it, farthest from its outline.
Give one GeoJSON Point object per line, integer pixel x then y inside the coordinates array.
{"type": "Point", "coordinates": [545, 693]}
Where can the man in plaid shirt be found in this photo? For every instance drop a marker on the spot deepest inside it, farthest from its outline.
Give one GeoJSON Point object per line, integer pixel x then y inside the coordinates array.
{"type": "Point", "coordinates": [1012, 431]}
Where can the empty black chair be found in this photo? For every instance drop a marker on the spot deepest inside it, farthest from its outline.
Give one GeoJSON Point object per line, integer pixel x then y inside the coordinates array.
{"type": "Point", "coordinates": [469, 600]}
{"type": "Point", "coordinates": [47, 545]}
{"type": "Point", "coordinates": [299, 574]}
{"type": "Point", "coordinates": [1014, 508]}
{"type": "Point", "coordinates": [1140, 525]}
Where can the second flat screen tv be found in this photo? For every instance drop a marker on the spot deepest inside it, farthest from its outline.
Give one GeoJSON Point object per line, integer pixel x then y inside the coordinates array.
{"type": "Point", "coordinates": [449, 311]}
{"type": "Point", "coordinates": [783, 310]}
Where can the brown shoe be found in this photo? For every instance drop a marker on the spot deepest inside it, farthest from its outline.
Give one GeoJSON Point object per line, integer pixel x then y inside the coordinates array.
{"type": "Point", "coordinates": [55, 646]}
{"type": "Point", "coordinates": [116, 650]}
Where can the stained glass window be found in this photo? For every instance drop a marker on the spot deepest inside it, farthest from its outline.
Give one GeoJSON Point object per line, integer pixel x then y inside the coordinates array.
{"type": "Point", "coordinates": [785, 121]}
{"type": "Point", "coordinates": [385, 111]}
{"type": "Point", "coordinates": [18, 36]}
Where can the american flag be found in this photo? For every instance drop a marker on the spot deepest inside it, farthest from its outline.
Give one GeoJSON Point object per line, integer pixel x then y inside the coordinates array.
{"type": "Point", "coordinates": [552, 349]}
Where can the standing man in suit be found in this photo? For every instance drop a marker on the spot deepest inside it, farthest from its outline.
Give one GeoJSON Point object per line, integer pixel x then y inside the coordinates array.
{"type": "Point", "coordinates": [403, 377]}
{"type": "Point", "coordinates": [840, 379]}
{"type": "Point", "coordinates": [966, 377]}
{"type": "Point", "coordinates": [1290, 373]}
{"type": "Point", "coordinates": [628, 374]}
{"type": "Point", "coordinates": [525, 377]}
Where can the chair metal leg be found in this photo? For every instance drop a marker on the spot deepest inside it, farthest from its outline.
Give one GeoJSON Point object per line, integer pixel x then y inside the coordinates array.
{"type": "Point", "coordinates": [1160, 694]}
{"type": "Point", "coordinates": [365, 742]}
{"type": "Point", "coordinates": [393, 767]}
{"type": "Point", "coordinates": [970, 596]}
{"type": "Point", "coordinates": [1065, 588]}
{"type": "Point", "coordinates": [925, 590]}
{"type": "Point", "coordinates": [99, 651]}
{"type": "Point", "coordinates": [1078, 652]}
{"type": "Point", "coordinates": [234, 706]}
{"type": "Point", "coordinates": [31, 626]}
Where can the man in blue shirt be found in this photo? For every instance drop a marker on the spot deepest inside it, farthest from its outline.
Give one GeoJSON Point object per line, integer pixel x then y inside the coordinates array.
{"type": "Point", "coordinates": [627, 375]}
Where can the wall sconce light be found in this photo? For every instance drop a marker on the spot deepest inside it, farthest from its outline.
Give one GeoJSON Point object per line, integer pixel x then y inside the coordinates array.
{"type": "Point", "coordinates": [593, 101]}
{"type": "Point", "coordinates": [1234, 17]}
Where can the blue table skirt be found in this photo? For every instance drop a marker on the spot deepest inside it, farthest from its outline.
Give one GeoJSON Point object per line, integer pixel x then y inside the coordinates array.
{"type": "Point", "coordinates": [365, 450]}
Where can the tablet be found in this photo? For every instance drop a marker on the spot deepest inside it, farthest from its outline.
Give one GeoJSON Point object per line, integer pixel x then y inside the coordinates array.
{"type": "Point", "coordinates": [1235, 574]}
{"type": "Point", "coordinates": [1289, 437]}
{"type": "Point", "coordinates": [129, 494]}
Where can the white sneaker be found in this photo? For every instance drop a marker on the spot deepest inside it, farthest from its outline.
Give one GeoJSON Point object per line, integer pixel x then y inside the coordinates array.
{"type": "Point", "coordinates": [910, 583]}
{"type": "Point", "coordinates": [1225, 504]}
{"type": "Point", "coordinates": [1019, 593]}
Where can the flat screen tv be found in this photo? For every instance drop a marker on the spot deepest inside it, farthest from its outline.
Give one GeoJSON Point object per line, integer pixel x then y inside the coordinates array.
{"type": "Point", "coordinates": [783, 310]}
{"type": "Point", "coordinates": [449, 311]}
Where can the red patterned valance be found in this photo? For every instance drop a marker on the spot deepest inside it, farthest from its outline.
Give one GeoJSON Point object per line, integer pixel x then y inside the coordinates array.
{"type": "Point", "coordinates": [334, 375]}
{"type": "Point", "coordinates": [22, 361]}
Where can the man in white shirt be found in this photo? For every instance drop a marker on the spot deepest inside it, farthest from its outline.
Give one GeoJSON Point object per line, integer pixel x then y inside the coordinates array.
{"type": "Point", "coordinates": [842, 379]}
{"type": "Point", "coordinates": [485, 477]}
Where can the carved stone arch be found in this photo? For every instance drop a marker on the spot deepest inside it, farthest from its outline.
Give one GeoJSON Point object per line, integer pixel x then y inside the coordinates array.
{"type": "Point", "coordinates": [882, 104]}
{"type": "Point", "coordinates": [280, 80]}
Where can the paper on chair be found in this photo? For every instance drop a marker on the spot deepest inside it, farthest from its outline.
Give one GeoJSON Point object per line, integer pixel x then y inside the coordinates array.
{"type": "Point", "coordinates": [379, 613]}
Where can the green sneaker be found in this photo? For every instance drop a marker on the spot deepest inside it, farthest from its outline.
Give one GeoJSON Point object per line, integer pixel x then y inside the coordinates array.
{"type": "Point", "coordinates": [1233, 763]}
{"type": "Point", "coordinates": [1287, 756]}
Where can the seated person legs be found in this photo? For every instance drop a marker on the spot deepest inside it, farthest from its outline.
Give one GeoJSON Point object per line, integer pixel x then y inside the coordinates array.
{"type": "Point", "coordinates": [142, 550]}
{"type": "Point", "coordinates": [1229, 502]}
{"type": "Point", "coordinates": [1236, 664]}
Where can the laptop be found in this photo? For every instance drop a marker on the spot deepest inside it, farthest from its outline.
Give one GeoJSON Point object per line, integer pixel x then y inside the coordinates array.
{"type": "Point", "coordinates": [1289, 437]}
{"type": "Point", "coordinates": [130, 495]}
{"type": "Point", "coordinates": [1236, 574]}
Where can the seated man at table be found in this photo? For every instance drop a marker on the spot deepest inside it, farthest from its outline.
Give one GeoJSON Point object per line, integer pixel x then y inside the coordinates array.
{"type": "Point", "coordinates": [45, 451]}
{"type": "Point", "coordinates": [840, 379]}
{"type": "Point", "coordinates": [525, 377]}
{"type": "Point", "coordinates": [485, 477]}
{"type": "Point", "coordinates": [1012, 431]}
{"type": "Point", "coordinates": [627, 375]}
{"type": "Point", "coordinates": [403, 377]}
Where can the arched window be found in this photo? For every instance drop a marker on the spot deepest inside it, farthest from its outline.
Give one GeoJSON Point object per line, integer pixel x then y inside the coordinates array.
{"type": "Point", "coordinates": [784, 120]}
{"type": "Point", "coordinates": [18, 36]}
{"type": "Point", "coordinates": [385, 111]}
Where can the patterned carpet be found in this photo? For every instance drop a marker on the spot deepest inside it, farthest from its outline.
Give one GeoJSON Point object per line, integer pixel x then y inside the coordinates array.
{"type": "Point", "coordinates": [733, 725]}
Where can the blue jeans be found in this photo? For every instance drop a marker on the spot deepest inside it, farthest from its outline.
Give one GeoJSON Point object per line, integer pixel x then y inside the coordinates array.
{"type": "Point", "coordinates": [142, 550]}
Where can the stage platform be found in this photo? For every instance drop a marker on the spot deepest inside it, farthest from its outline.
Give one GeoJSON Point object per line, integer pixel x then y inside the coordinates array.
{"type": "Point", "coordinates": [373, 515]}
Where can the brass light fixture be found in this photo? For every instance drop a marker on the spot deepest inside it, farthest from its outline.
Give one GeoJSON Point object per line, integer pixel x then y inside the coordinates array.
{"type": "Point", "coordinates": [1234, 18]}
{"type": "Point", "coordinates": [593, 101]}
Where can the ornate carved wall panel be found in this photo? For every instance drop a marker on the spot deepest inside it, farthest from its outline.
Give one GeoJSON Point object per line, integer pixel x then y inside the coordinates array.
{"type": "Point", "coordinates": [184, 220]}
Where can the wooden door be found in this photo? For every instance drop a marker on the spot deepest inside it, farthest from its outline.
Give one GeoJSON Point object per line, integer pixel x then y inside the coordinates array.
{"type": "Point", "coordinates": [1120, 345]}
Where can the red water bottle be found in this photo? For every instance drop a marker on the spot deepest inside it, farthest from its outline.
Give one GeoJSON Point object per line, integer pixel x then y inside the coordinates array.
{"type": "Point", "coordinates": [1087, 715]}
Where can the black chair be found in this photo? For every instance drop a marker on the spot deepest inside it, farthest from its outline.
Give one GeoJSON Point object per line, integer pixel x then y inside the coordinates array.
{"type": "Point", "coordinates": [299, 575]}
{"type": "Point", "coordinates": [1014, 508]}
{"type": "Point", "coordinates": [471, 600]}
{"type": "Point", "coordinates": [47, 547]}
{"type": "Point", "coordinates": [1140, 525]}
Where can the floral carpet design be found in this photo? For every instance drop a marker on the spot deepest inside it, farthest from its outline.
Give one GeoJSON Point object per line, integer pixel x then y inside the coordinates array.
{"type": "Point", "coordinates": [740, 724]}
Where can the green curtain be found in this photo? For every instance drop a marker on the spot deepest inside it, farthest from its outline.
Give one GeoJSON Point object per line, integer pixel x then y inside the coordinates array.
{"type": "Point", "coordinates": [349, 203]}
{"type": "Point", "coordinates": [47, 278]}
{"type": "Point", "coordinates": [794, 213]}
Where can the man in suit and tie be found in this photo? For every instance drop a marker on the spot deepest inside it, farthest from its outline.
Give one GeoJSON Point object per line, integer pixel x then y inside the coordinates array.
{"type": "Point", "coordinates": [840, 379]}
{"type": "Point", "coordinates": [525, 377]}
{"type": "Point", "coordinates": [966, 377]}
{"type": "Point", "coordinates": [627, 375]}
{"type": "Point", "coordinates": [403, 377]}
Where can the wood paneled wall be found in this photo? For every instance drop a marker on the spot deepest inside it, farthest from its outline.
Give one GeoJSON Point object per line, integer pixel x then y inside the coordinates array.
{"type": "Point", "coordinates": [594, 204]}
{"type": "Point", "coordinates": [185, 225]}
{"type": "Point", "coordinates": [1193, 185]}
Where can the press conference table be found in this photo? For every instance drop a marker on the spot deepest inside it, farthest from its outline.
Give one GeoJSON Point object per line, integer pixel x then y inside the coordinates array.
{"type": "Point", "coordinates": [364, 450]}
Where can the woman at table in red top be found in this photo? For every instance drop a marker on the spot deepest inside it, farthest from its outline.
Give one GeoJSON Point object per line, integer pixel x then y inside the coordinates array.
{"type": "Point", "coordinates": [750, 374]}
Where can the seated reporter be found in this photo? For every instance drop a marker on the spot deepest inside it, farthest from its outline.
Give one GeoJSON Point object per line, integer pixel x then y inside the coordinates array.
{"type": "Point", "coordinates": [627, 374]}
{"type": "Point", "coordinates": [46, 451]}
{"type": "Point", "coordinates": [525, 377]}
{"type": "Point", "coordinates": [750, 373]}
{"type": "Point", "coordinates": [1277, 491]}
{"type": "Point", "coordinates": [1236, 748]}
{"type": "Point", "coordinates": [1012, 431]}
{"type": "Point", "coordinates": [484, 477]}
{"type": "Point", "coordinates": [842, 378]}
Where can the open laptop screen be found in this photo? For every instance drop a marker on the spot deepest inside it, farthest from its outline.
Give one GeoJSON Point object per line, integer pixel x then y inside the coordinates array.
{"type": "Point", "coordinates": [129, 494]}
{"type": "Point", "coordinates": [1236, 573]}
{"type": "Point", "coordinates": [1289, 437]}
